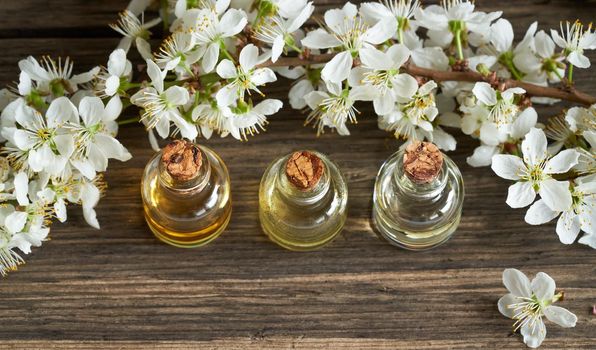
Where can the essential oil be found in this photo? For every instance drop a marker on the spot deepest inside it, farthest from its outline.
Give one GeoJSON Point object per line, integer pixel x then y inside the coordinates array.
{"type": "Point", "coordinates": [303, 201]}
{"type": "Point", "coordinates": [186, 194]}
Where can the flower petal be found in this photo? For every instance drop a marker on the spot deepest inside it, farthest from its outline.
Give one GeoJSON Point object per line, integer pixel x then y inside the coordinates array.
{"type": "Point", "coordinates": [296, 22]}
{"type": "Point", "coordinates": [539, 213]}
{"type": "Point", "coordinates": [16, 221]}
{"type": "Point", "coordinates": [501, 33]}
{"type": "Point", "coordinates": [113, 109]}
{"type": "Point", "coordinates": [485, 93]}
{"type": "Point", "coordinates": [60, 210]}
{"type": "Point", "coordinates": [65, 144]}
{"type": "Point", "coordinates": [320, 39]}
{"type": "Point", "coordinates": [399, 54]}
{"type": "Point", "coordinates": [405, 85]}
{"type": "Point", "coordinates": [277, 48]}
{"type": "Point", "coordinates": [562, 162]}
{"type": "Point", "coordinates": [579, 60]}
{"type": "Point", "coordinates": [226, 69]}
{"type": "Point", "coordinates": [507, 166]}
{"type": "Point", "coordinates": [263, 76]}
{"type": "Point", "coordinates": [375, 59]}
{"type": "Point", "coordinates": [85, 167]}
{"type": "Point", "coordinates": [545, 46]}
{"type": "Point", "coordinates": [226, 95]}
{"type": "Point", "coordinates": [534, 147]}
{"type": "Point", "coordinates": [524, 122]}
{"type": "Point", "coordinates": [298, 92]}
{"type": "Point", "coordinates": [210, 58]}
{"type": "Point", "coordinates": [156, 75]}
{"type": "Point", "coordinates": [568, 227]}
{"type": "Point", "coordinates": [21, 188]}
{"type": "Point", "coordinates": [482, 156]}
{"type": "Point", "coordinates": [520, 194]}
{"type": "Point", "coordinates": [268, 107]}
{"type": "Point", "coordinates": [177, 95]}
{"type": "Point", "coordinates": [112, 148]}
{"type": "Point", "coordinates": [533, 333]}
{"type": "Point", "coordinates": [187, 130]}
{"type": "Point", "coordinates": [338, 69]}
{"type": "Point", "coordinates": [516, 282]}
{"type": "Point", "coordinates": [91, 109]}
{"type": "Point", "coordinates": [380, 32]}
{"type": "Point", "coordinates": [543, 286]}
{"type": "Point", "coordinates": [555, 194]}
{"type": "Point", "coordinates": [249, 57]}
{"type": "Point", "coordinates": [503, 305]}
{"type": "Point", "coordinates": [117, 62]}
{"type": "Point", "coordinates": [232, 22]}
{"type": "Point", "coordinates": [589, 240]}
{"type": "Point", "coordinates": [61, 110]}
{"type": "Point", "coordinates": [90, 217]}
{"type": "Point", "coordinates": [560, 316]}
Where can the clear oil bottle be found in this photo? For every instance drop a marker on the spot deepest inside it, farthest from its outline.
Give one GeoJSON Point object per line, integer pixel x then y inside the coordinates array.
{"type": "Point", "coordinates": [186, 195]}
{"type": "Point", "coordinates": [302, 201]}
{"type": "Point", "coordinates": [418, 197]}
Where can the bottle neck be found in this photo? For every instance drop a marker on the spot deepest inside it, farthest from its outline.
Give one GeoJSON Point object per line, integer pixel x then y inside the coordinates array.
{"type": "Point", "coordinates": [299, 197]}
{"type": "Point", "coordinates": [407, 186]}
{"type": "Point", "coordinates": [195, 184]}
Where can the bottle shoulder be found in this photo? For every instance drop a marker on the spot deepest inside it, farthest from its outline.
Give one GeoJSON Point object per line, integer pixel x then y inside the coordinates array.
{"type": "Point", "coordinates": [406, 203]}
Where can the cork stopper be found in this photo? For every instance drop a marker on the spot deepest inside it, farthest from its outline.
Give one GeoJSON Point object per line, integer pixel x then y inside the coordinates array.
{"type": "Point", "coordinates": [182, 160]}
{"type": "Point", "coordinates": [304, 170]}
{"type": "Point", "coordinates": [422, 162]}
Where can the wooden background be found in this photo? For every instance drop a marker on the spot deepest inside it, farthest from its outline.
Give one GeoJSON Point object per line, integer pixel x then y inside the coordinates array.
{"type": "Point", "coordinates": [121, 286]}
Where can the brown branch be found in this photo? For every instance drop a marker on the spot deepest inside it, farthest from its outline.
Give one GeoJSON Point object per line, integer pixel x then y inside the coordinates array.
{"type": "Point", "coordinates": [568, 94]}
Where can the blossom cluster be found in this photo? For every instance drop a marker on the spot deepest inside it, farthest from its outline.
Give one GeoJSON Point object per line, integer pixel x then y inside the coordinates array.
{"type": "Point", "coordinates": [208, 76]}
{"type": "Point", "coordinates": [57, 138]}
{"type": "Point", "coordinates": [219, 54]}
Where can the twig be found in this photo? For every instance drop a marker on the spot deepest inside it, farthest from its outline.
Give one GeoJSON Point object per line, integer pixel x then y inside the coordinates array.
{"type": "Point", "coordinates": [568, 94]}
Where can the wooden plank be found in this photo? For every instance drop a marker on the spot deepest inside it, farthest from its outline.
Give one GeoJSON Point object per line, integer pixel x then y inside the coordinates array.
{"type": "Point", "coordinates": [242, 292]}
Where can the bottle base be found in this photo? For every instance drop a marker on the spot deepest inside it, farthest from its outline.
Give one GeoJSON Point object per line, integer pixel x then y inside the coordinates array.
{"type": "Point", "coordinates": [417, 241]}
{"type": "Point", "coordinates": [188, 240]}
{"type": "Point", "coordinates": [301, 246]}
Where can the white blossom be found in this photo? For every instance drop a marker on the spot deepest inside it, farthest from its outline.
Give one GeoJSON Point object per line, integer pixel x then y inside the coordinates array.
{"type": "Point", "coordinates": [413, 116]}
{"type": "Point", "coordinates": [528, 302]}
{"type": "Point", "coordinates": [210, 31]}
{"type": "Point", "coordinates": [381, 70]}
{"type": "Point", "coordinates": [580, 215]}
{"type": "Point", "coordinates": [117, 74]}
{"type": "Point", "coordinates": [335, 107]}
{"type": "Point", "coordinates": [135, 30]}
{"type": "Point", "coordinates": [533, 173]}
{"type": "Point", "coordinates": [54, 77]}
{"type": "Point", "coordinates": [453, 16]}
{"type": "Point", "coordinates": [279, 32]}
{"type": "Point", "coordinates": [574, 40]}
{"type": "Point", "coordinates": [247, 121]}
{"type": "Point", "coordinates": [162, 106]}
{"type": "Point", "coordinates": [244, 77]}
{"type": "Point", "coordinates": [347, 32]}
{"type": "Point", "coordinates": [501, 104]}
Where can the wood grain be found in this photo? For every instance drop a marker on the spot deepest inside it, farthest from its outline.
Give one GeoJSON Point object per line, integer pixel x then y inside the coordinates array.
{"type": "Point", "coordinates": [119, 288]}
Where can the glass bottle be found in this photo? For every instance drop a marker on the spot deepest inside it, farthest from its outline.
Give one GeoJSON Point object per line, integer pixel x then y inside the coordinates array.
{"type": "Point", "coordinates": [418, 197]}
{"type": "Point", "coordinates": [186, 194]}
{"type": "Point", "coordinates": [302, 201]}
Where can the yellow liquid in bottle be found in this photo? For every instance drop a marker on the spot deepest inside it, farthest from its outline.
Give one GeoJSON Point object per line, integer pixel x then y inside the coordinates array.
{"type": "Point", "coordinates": [191, 215]}
{"type": "Point", "coordinates": [302, 221]}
